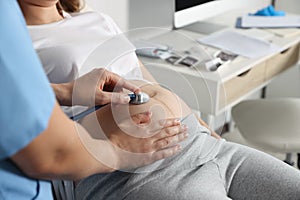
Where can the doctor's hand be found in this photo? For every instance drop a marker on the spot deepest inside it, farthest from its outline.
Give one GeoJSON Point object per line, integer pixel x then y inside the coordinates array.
{"type": "Point", "coordinates": [97, 87]}
{"type": "Point", "coordinates": [149, 143]}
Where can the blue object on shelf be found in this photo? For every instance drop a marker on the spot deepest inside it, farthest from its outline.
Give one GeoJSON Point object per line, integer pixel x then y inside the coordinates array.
{"type": "Point", "coordinates": [268, 11]}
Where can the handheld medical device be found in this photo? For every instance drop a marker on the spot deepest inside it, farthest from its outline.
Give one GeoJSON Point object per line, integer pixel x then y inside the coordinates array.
{"type": "Point", "coordinates": [139, 98]}
{"type": "Point", "coordinates": [136, 99]}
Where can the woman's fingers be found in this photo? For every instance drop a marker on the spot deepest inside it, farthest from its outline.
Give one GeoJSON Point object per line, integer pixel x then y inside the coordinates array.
{"type": "Point", "coordinates": [171, 130]}
{"type": "Point", "coordinates": [170, 141]}
{"type": "Point", "coordinates": [165, 153]}
{"type": "Point", "coordinates": [157, 126]}
{"type": "Point", "coordinates": [173, 133]}
{"type": "Point", "coordinates": [169, 122]}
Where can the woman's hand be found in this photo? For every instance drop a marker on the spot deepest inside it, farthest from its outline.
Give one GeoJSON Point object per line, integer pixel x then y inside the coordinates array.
{"type": "Point", "coordinates": [97, 87]}
{"type": "Point", "coordinates": [149, 143]}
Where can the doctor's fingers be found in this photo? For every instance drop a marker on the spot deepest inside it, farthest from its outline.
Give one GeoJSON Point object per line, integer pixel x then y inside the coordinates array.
{"type": "Point", "coordinates": [123, 83]}
{"type": "Point", "coordinates": [102, 98]}
{"type": "Point", "coordinates": [110, 81]}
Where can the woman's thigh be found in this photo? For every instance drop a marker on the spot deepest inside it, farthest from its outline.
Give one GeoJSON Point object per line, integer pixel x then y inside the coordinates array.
{"type": "Point", "coordinates": [203, 182]}
{"type": "Point", "coordinates": [251, 174]}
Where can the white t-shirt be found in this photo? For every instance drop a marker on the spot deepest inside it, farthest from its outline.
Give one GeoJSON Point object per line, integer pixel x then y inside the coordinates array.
{"type": "Point", "coordinates": [65, 46]}
{"type": "Point", "coordinates": [81, 42]}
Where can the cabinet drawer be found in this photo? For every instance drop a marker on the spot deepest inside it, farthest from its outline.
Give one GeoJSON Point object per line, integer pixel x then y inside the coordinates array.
{"type": "Point", "coordinates": [242, 84]}
{"type": "Point", "coordinates": [282, 61]}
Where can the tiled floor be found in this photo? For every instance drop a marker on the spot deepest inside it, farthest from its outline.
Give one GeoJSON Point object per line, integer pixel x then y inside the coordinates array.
{"type": "Point", "coordinates": [235, 136]}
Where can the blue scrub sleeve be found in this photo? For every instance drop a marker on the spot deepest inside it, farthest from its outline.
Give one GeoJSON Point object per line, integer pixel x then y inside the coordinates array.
{"type": "Point", "coordinates": [27, 99]}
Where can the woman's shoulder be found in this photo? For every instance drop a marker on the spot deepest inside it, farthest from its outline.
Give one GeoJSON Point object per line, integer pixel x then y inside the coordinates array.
{"type": "Point", "coordinates": [86, 14]}
{"type": "Point", "coordinates": [96, 18]}
{"type": "Point", "coordinates": [91, 15]}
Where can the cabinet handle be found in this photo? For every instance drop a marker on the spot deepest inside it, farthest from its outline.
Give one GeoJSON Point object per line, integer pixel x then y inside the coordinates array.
{"type": "Point", "coordinates": [244, 73]}
{"type": "Point", "coordinates": [284, 51]}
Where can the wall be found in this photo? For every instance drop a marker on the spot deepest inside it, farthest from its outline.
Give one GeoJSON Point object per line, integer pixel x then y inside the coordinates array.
{"type": "Point", "coordinates": [151, 13]}
{"type": "Point", "coordinates": [292, 6]}
{"type": "Point", "coordinates": [131, 14]}
{"type": "Point", "coordinates": [117, 9]}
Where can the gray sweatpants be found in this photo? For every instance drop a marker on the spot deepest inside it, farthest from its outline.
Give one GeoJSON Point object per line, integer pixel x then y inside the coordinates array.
{"type": "Point", "coordinates": [205, 169]}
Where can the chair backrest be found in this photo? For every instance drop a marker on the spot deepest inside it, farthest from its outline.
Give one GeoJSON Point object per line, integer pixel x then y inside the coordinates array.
{"type": "Point", "coordinates": [272, 124]}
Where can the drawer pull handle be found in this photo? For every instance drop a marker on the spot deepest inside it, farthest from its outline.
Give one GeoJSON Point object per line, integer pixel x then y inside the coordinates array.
{"type": "Point", "coordinates": [284, 51]}
{"type": "Point", "coordinates": [244, 73]}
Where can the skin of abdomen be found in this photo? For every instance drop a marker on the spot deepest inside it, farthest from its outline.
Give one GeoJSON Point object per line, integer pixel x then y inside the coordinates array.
{"type": "Point", "coordinates": [163, 104]}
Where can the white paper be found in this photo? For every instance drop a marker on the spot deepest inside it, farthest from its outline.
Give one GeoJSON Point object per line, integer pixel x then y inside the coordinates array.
{"type": "Point", "coordinates": [239, 44]}
{"type": "Point", "coordinates": [270, 22]}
